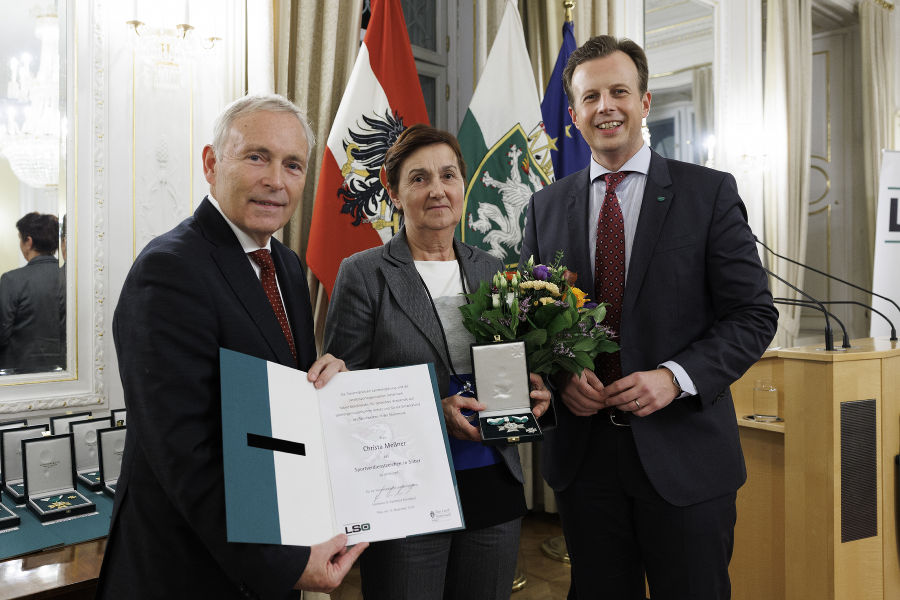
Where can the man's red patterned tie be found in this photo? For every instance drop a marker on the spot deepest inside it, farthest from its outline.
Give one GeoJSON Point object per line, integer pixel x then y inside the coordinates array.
{"type": "Point", "coordinates": [609, 271]}
{"type": "Point", "coordinates": [267, 276]}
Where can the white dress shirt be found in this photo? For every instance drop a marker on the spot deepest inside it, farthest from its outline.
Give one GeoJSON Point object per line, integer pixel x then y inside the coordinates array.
{"type": "Point", "coordinates": [249, 245]}
{"type": "Point", "coordinates": [630, 193]}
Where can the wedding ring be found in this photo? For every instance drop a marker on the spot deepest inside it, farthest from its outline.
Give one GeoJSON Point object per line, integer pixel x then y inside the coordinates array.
{"type": "Point", "coordinates": [636, 403]}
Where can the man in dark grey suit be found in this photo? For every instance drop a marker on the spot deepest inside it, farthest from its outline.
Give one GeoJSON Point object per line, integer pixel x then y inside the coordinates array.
{"type": "Point", "coordinates": [32, 308]}
{"type": "Point", "coordinates": [646, 460]}
{"type": "Point", "coordinates": [218, 279]}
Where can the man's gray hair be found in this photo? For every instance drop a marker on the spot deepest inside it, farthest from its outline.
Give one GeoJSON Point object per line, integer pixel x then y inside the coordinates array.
{"type": "Point", "coordinates": [255, 103]}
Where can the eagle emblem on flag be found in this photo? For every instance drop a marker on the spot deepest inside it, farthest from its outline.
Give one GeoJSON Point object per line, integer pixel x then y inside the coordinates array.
{"type": "Point", "coordinates": [364, 192]}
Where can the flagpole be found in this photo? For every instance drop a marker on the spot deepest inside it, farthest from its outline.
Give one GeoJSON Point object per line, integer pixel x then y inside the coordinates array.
{"type": "Point", "coordinates": [555, 546]}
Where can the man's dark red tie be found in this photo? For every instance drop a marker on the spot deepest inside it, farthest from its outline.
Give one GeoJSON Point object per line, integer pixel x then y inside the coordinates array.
{"type": "Point", "coordinates": [267, 276]}
{"type": "Point", "coordinates": [609, 271]}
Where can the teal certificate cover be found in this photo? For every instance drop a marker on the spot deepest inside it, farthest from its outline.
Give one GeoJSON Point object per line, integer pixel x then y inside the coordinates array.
{"type": "Point", "coordinates": [367, 455]}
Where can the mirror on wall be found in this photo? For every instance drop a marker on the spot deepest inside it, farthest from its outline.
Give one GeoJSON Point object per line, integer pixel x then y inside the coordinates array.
{"type": "Point", "coordinates": [679, 40]}
{"type": "Point", "coordinates": [35, 257]}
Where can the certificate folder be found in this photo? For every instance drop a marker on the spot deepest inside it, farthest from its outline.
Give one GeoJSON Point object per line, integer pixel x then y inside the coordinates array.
{"type": "Point", "coordinates": [367, 455]}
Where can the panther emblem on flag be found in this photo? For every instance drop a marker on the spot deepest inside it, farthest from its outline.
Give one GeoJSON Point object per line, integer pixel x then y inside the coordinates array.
{"type": "Point", "coordinates": [498, 192]}
{"type": "Point", "coordinates": [363, 192]}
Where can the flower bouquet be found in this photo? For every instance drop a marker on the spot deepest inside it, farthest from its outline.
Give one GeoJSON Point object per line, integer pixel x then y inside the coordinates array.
{"type": "Point", "coordinates": [540, 306]}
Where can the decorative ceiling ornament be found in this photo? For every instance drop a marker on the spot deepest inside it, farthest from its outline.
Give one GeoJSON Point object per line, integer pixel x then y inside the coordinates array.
{"type": "Point", "coordinates": [30, 139]}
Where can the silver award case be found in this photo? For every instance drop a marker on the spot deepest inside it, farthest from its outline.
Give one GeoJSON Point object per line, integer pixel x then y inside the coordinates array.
{"type": "Point", "coordinates": [13, 424]}
{"type": "Point", "coordinates": [11, 468]}
{"type": "Point", "coordinates": [111, 443]}
{"type": "Point", "coordinates": [87, 458]}
{"type": "Point", "coordinates": [60, 423]}
{"type": "Point", "coordinates": [501, 383]}
{"type": "Point", "coordinates": [50, 479]}
{"type": "Point", "coordinates": [8, 519]}
{"type": "Point", "coordinates": [118, 417]}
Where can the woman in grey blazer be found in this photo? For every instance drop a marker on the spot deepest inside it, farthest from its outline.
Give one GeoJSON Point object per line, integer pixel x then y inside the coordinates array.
{"type": "Point", "coordinates": [399, 305]}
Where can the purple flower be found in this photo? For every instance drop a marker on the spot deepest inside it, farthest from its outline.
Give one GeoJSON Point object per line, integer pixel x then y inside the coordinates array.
{"type": "Point", "coordinates": [541, 272]}
{"type": "Point", "coordinates": [561, 350]}
{"type": "Point", "coordinates": [590, 305]}
{"type": "Point", "coordinates": [485, 320]}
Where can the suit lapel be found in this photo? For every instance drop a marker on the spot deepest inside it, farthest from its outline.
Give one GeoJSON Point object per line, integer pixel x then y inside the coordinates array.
{"type": "Point", "coordinates": [658, 197]}
{"type": "Point", "coordinates": [578, 205]}
{"type": "Point", "coordinates": [405, 285]}
{"type": "Point", "coordinates": [235, 268]}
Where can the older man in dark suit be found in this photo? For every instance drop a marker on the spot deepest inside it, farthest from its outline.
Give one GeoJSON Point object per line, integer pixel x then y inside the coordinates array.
{"type": "Point", "coordinates": [217, 280]}
{"type": "Point", "coordinates": [646, 460]}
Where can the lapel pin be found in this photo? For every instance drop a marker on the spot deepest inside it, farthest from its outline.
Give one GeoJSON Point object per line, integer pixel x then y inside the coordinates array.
{"type": "Point", "coordinates": [660, 198]}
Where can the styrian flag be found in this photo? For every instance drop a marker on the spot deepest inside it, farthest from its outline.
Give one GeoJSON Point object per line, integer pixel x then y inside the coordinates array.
{"type": "Point", "coordinates": [505, 146]}
{"type": "Point", "coordinates": [383, 97]}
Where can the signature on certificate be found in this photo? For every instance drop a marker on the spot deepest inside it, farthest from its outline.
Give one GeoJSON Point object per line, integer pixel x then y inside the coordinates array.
{"type": "Point", "coordinates": [393, 492]}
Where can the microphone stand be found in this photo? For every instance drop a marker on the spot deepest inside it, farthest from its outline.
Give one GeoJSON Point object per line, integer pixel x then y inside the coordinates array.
{"type": "Point", "coordinates": [877, 312]}
{"type": "Point", "coordinates": [829, 336]}
{"type": "Point", "coordinates": [853, 285]}
{"type": "Point", "coordinates": [791, 302]}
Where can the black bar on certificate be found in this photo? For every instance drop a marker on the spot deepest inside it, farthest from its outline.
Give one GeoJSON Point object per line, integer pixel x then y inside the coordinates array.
{"type": "Point", "coordinates": [278, 445]}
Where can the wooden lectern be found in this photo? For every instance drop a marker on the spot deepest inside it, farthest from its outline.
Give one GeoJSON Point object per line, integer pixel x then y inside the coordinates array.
{"type": "Point", "coordinates": [817, 517]}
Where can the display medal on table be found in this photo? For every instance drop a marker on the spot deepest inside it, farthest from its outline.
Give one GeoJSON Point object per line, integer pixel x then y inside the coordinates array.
{"type": "Point", "coordinates": [13, 424]}
{"type": "Point", "coordinates": [8, 519]}
{"type": "Point", "coordinates": [111, 443]}
{"type": "Point", "coordinates": [50, 479]}
{"type": "Point", "coordinates": [11, 459]}
{"type": "Point", "coordinates": [118, 417]}
{"type": "Point", "coordinates": [501, 383]}
{"type": "Point", "coordinates": [87, 458]}
{"type": "Point", "coordinates": [60, 423]}
{"type": "Point", "coordinates": [17, 424]}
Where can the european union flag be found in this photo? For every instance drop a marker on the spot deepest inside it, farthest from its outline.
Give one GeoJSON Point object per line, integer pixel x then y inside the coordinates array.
{"type": "Point", "coordinates": [571, 153]}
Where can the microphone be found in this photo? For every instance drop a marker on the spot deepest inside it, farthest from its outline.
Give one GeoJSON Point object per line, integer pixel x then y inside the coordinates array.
{"type": "Point", "coordinates": [877, 312]}
{"type": "Point", "coordinates": [829, 336]}
{"type": "Point", "coordinates": [838, 279]}
{"type": "Point", "coordinates": [791, 302]}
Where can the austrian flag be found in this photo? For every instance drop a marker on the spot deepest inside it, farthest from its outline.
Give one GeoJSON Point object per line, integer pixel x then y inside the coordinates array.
{"type": "Point", "coordinates": [383, 97]}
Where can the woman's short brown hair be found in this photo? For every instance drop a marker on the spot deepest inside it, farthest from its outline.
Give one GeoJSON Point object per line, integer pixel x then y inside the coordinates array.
{"type": "Point", "coordinates": [415, 137]}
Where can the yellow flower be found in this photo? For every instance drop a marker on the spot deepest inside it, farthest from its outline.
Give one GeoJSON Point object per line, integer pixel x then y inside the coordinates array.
{"type": "Point", "coordinates": [540, 285]}
{"type": "Point", "coordinates": [579, 295]}
{"type": "Point", "coordinates": [546, 300]}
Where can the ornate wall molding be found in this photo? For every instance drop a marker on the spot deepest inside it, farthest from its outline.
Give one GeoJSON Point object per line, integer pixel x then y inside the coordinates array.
{"type": "Point", "coordinates": [99, 143]}
{"type": "Point", "coordinates": [50, 403]}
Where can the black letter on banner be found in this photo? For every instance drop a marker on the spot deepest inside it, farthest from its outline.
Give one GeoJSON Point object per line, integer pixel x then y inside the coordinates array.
{"type": "Point", "coordinates": [894, 222]}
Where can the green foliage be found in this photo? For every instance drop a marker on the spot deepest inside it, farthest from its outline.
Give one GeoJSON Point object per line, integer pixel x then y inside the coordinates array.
{"type": "Point", "coordinates": [540, 305]}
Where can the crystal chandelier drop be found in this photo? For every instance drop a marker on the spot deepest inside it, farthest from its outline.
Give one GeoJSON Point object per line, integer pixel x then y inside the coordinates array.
{"type": "Point", "coordinates": [30, 139]}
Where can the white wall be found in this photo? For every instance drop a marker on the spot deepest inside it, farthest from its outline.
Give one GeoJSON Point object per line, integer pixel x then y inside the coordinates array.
{"type": "Point", "coordinates": [138, 126]}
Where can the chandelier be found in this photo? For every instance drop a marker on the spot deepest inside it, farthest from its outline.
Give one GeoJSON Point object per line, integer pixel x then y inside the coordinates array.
{"type": "Point", "coordinates": [30, 139]}
{"type": "Point", "coordinates": [166, 41]}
